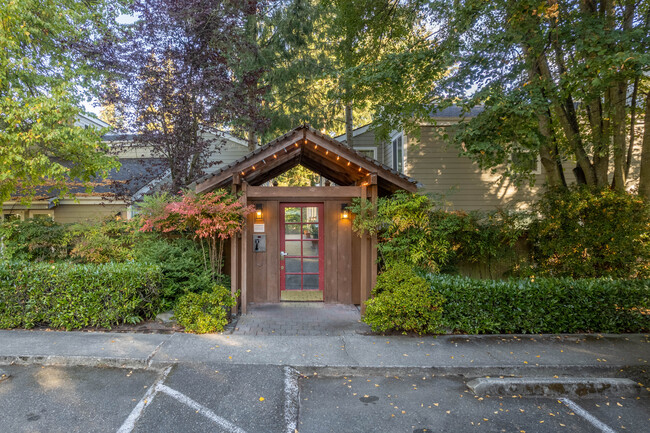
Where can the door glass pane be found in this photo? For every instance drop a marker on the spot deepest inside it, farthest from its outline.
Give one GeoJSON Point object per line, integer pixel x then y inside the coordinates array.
{"type": "Point", "coordinates": [310, 231]}
{"type": "Point", "coordinates": [310, 282]}
{"type": "Point", "coordinates": [292, 282]}
{"type": "Point", "coordinates": [292, 215]}
{"type": "Point", "coordinates": [292, 265]}
{"type": "Point", "coordinates": [310, 265]}
{"type": "Point", "coordinates": [292, 231]}
{"type": "Point", "coordinates": [310, 248]}
{"type": "Point", "coordinates": [310, 214]}
{"type": "Point", "coordinates": [293, 248]}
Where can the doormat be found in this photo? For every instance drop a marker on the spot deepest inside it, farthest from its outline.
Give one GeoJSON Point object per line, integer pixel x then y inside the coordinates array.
{"type": "Point", "coordinates": [301, 295]}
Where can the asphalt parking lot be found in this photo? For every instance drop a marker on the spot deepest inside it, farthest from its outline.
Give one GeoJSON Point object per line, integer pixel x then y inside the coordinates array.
{"type": "Point", "coordinates": [251, 398]}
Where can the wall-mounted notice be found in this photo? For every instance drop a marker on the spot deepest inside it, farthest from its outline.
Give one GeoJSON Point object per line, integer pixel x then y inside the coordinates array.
{"type": "Point", "coordinates": [258, 228]}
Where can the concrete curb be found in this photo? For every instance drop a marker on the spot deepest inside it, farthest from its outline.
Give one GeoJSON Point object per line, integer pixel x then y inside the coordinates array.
{"type": "Point", "coordinates": [79, 361]}
{"type": "Point", "coordinates": [555, 386]}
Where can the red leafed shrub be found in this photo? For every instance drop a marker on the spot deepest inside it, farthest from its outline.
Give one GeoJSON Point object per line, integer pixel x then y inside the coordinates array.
{"type": "Point", "coordinates": [210, 218]}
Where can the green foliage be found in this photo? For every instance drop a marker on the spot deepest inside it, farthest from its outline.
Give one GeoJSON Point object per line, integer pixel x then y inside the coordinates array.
{"type": "Point", "coordinates": [34, 240]}
{"type": "Point", "coordinates": [109, 241]}
{"type": "Point", "coordinates": [298, 176]}
{"type": "Point", "coordinates": [179, 260]}
{"type": "Point", "coordinates": [72, 296]}
{"type": "Point", "coordinates": [543, 305]}
{"type": "Point", "coordinates": [586, 233]}
{"type": "Point", "coordinates": [411, 228]}
{"type": "Point", "coordinates": [403, 302]}
{"type": "Point", "coordinates": [204, 312]}
{"type": "Point", "coordinates": [41, 77]}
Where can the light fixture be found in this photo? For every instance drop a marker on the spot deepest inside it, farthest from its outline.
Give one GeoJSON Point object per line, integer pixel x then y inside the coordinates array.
{"type": "Point", "coordinates": [258, 211]}
{"type": "Point", "coordinates": [345, 213]}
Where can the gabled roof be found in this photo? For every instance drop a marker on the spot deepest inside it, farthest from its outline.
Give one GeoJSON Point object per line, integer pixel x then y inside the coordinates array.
{"type": "Point", "coordinates": [316, 151]}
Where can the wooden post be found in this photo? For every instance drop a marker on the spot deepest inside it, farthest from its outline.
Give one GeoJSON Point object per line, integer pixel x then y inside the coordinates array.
{"type": "Point", "coordinates": [373, 238]}
{"type": "Point", "coordinates": [364, 260]}
{"type": "Point", "coordinates": [234, 251]}
{"type": "Point", "coordinates": [244, 254]}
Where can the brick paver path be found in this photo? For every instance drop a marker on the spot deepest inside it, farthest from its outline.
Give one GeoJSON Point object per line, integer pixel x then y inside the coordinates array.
{"type": "Point", "coordinates": [300, 318]}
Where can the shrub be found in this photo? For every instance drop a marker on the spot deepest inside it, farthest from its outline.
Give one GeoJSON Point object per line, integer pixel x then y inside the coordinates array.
{"type": "Point", "coordinates": [543, 305]}
{"type": "Point", "coordinates": [66, 295]}
{"type": "Point", "coordinates": [181, 263]}
{"type": "Point", "coordinates": [403, 302]}
{"type": "Point", "coordinates": [204, 312]}
{"type": "Point", "coordinates": [584, 233]}
{"type": "Point", "coordinates": [38, 239]}
{"type": "Point", "coordinates": [413, 228]}
{"type": "Point", "coordinates": [109, 241]}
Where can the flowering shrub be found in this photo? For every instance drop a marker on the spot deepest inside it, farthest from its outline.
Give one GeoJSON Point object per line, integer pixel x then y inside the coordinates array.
{"type": "Point", "coordinates": [211, 218]}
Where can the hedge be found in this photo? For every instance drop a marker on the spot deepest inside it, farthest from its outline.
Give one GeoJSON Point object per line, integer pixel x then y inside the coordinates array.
{"type": "Point", "coordinates": [543, 305]}
{"type": "Point", "coordinates": [72, 296]}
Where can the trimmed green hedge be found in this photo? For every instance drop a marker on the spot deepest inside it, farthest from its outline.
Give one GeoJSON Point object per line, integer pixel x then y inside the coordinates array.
{"type": "Point", "coordinates": [65, 295]}
{"type": "Point", "coordinates": [403, 302]}
{"type": "Point", "coordinates": [544, 305]}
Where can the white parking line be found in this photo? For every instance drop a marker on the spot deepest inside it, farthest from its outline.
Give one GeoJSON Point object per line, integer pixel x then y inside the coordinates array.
{"type": "Point", "coordinates": [200, 408]}
{"type": "Point", "coordinates": [291, 399]}
{"type": "Point", "coordinates": [586, 415]}
{"type": "Point", "coordinates": [129, 423]}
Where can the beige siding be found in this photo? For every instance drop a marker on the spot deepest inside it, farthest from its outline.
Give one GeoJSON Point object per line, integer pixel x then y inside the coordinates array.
{"type": "Point", "coordinates": [438, 166]}
{"type": "Point", "coordinates": [70, 213]}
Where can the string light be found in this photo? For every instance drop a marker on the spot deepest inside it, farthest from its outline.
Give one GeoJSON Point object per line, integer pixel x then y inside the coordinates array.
{"type": "Point", "coordinates": [315, 146]}
{"type": "Point", "coordinates": [348, 163]}
{"type": "Point", "coordinates": [337, 157]}
{"type": "Point", "coordinates": [275, 156]}
{"type": "Point", "coordinates": [242, 173]}
{"type": "Point", "coordinates": [296, 144]}
{"type": "Point", "coordinates": [327, 152]}
{"type": "Point", "coordinates": [253, 167]}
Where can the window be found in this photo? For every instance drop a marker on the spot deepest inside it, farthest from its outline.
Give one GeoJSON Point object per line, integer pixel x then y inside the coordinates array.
{"type": "Point", "coordinates": [369, 151]}
{"type": "Point", "coordinates": [41, 214]}
{"type": "Point", "coordinates": [526, 161]}
{"type": "Point", "coordinates": [7, 217]}
{"type": "Point", "coordinates": [398, 154]}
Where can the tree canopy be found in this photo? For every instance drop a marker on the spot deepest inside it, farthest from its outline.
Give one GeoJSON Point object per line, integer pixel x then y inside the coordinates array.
{"type": "Point", "coordinates": [43, 79]}
{"type": "Point", "coordinates": [557, 79]}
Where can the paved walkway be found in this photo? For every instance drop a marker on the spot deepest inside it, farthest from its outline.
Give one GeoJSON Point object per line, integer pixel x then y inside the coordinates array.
{"type": "Point", "coordinates": [301, 319]}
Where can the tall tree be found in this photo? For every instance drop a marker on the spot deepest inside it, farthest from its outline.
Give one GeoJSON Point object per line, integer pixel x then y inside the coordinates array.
{"type": "Point", "coordinates": [336, 63]}
{"type": "Point", "coordinates": [43, 78]}
{"type": "Point", "coordinates": [178, 75]}
{"type": "Point", "coordinates": [554, 78]}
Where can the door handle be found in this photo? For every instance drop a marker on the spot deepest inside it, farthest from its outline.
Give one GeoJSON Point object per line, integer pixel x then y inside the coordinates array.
{"type": "Point", "coordinates": [282, 254]}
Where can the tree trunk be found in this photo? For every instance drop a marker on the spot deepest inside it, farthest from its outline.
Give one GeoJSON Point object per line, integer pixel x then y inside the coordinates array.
{"type": "Point", "coordinates": [644, 178]}
{"type": "Point", "coordinates": [349, 125]}
{"type": "Point", "coordinates": [252, 139]}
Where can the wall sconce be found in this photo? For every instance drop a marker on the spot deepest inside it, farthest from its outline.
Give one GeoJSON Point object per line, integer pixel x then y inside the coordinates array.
{"type": "Point", "coordinates": [345, 213]}
{"type": "Point", "coordinates": [258, 211]}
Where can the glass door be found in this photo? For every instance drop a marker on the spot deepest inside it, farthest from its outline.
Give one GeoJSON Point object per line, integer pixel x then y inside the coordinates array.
{"type": "Point", "coordinates": [301, 244]}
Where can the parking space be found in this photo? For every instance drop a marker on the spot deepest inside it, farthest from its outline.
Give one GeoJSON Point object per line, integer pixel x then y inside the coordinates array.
{"type": "Point", "coordinates": [424, 403]}
{"type": "Point", "coordinates": [254, 398]}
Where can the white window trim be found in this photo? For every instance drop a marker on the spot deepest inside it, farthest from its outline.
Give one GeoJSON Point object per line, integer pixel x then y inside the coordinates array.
{"type": "Point", "coordinates": [21, 214]}
{"type": "Point", "coordinates": [373, 148]}
{"type": "Point", "coordinates": [394, 153]}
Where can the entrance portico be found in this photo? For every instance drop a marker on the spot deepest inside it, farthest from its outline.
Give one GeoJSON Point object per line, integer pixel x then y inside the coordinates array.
{"type": "Point", "coordinates": [299, 241]}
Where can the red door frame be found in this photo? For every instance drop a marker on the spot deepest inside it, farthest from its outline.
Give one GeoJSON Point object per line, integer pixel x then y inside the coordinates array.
{"type": "Point", "coordinates": [321, 240]}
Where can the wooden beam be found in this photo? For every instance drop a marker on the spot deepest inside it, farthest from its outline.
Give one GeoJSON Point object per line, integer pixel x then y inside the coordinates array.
{"type": "Point", "coordinates": [244, 254]}
{"type": "Point", "coordinates": [336, 171]}
{"type": "Point", "coordinates": [313, 192]}
{"type": "Point", "coordinates": [251, 159]}
{"type": "Point", "coordinates": [373, 239]}
{"type": "Point", "coordinates": [365, 295]}
{"type": "Point", "coordinates": [340, 149]}
{"type": "Point", "coordinates": [234, 260]}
